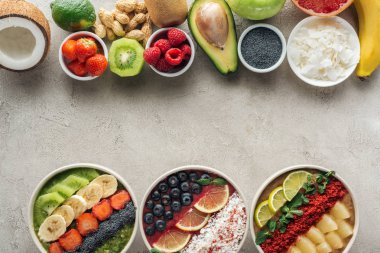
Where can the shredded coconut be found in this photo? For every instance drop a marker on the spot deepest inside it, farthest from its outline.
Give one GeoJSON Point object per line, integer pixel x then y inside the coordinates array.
{"type": "Point", "coordinates": [223, 232]}
{"type": "Point", "coordinates": [324, 50]}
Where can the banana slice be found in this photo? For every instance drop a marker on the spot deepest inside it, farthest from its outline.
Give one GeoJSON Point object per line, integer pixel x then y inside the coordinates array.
{"type": "Point", "coordinates": [52, 228]}
{"type": "Point", "coordinates": [78, 203]}
{"type": "Point", "coordinates": [109, 184]}
{"type": "Point", "coordinates": [92, 193]}
{"type": "Point", "coordinates": [67, 212]}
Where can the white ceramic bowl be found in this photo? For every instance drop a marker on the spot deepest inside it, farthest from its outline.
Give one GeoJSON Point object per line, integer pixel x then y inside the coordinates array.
{"type": "Point", "coordinates": [322, 83]}
{"type": "Point", "coordinates": [73, 166]}
{"type": "Point", "coordinates": [157, 34]}
{"type": "Point", "coordinates": [283, 42]}
{"type": "Point", "coordinates": [298, 167]}
{"type": "Point", "coordinates": [184, 168]}
{"type": "Point", "coordinates": [75, 36]}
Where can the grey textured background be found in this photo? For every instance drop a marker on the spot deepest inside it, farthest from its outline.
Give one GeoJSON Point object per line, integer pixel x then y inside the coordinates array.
{"type": "Point", "coordinates": [249, 126]}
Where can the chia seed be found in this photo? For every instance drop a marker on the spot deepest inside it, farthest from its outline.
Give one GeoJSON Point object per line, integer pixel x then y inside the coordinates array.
{"type": "Point", "coordinates": [261, 48]}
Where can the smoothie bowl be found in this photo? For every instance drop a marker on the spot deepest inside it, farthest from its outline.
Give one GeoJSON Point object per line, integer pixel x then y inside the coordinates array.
{"type": "Point", "coordinates": [304, 209]}
{"type": "Point", "coordinates": [193, 209]}
{"type": "Point", "coordinates": [83, 208]}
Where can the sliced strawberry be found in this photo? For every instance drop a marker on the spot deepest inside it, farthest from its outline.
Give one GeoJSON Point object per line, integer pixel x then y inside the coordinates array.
{"type": "Point", "coordinates": [120, 199]}
{"type": "Point", "coordinates": [87, 223]}
{"type": "Point", "coordinates": [71, 240]}
{"type": "Point", "coordinates": [102, 210]}
{"type": "Point", "coordinates": [55, 248]}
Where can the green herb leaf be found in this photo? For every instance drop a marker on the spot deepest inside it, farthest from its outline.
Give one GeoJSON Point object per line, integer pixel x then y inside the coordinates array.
{"type": "Point", "coordinates": [272, 225]}
{"type": "Point", "coordinates": [305, 200]}
{"type": "Point", "coordinates": [204, 181]}
{"type": "Point", "coordinates": [154, 250]}
{"type": "Point", "coordinates": [283, 229]}
{"type": "Point", "coordinates": [219, 181]}
{"type": "Point", "coordinates": [297, 212]}
{"type": "Point", "coordinates": [262, 236]}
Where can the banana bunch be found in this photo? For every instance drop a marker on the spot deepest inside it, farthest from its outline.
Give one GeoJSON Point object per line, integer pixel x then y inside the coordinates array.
{"type": "Point", "coordinates": [369, 34]}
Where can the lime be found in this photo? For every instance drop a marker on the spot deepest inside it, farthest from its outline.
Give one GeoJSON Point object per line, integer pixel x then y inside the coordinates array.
{"type": "Point", "coordinates": [263, 214]}
{"type": "Point", "coordinates": [294, 182]}
{"type": "Point", "coordinates": [276, 199]}
{"type": "Point", "coordinates": [73, 15]}
{"type": "Point", "coordinates": [214, 199]}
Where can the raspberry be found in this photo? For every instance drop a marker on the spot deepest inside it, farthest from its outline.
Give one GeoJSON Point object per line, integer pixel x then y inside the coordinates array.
{"type": "Point", "coordinates": [174, 56]}
{"type": "Point", "coordinates": [186, 51]}
{"type": "Point", "coordinates": [163, 45]}
{"type": "Point", "coordinates": [152, 55]}
{"type": "Point", "coordinates": [163, 66]}
{"type": "Point", "coordinates": [176, 37]}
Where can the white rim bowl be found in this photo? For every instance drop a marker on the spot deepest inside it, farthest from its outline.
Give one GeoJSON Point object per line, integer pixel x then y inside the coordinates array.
{"type": "Point", "coordinates": [299, 167]}
{"type": "Point", "coordinates": [189, 63]}
{"type": "Point", "coordinates": [73, 166]}
{"type": "Point", "coordinates": [283, 42]}
{"type": "Point", "coordinates": [78, 35]}
{"type": "Point", "coordinates": [322, 83]}
{"type": "Point", "coordinates": [189, 167]}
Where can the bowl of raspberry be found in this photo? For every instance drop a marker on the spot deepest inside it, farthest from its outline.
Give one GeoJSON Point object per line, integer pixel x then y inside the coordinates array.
{"type": "Point", "coordinates": [169, 52]}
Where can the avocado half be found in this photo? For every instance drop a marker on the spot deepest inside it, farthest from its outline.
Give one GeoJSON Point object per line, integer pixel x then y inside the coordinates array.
{"type": "Point", "coordinates": [225, 58]}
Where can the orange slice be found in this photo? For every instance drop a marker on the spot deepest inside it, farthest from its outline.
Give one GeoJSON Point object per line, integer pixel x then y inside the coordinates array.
{"type": "Point", "coordinates": [172, 240]}
{"type": "Point", "coordinates": [193, 220]}
{"type": "Point", "coordinates": [214, 200]}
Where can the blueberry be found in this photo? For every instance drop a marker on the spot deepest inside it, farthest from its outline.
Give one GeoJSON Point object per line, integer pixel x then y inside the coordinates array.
{"type": "Point", "coordinates": [150, 230]}
{"type": "Point", "coordinates": [205, 176]}
{"type": "Point", "coordinates": [175, 193]}
{"type": "Point", "coordinates": [163, 187]}
{"type": "Point", "coordinates": [182, 176]}
{"type": "Point", "coordinates": [185, 187]}
{"type": "Point", "coordinates": [173, 181]}
{"type": "Point", "coordinates": [193, 176]}
{"type": "Point", "coordinates": [156, 195]}
{"type": "Point", "coordinates": [186, 199]}
{"type": "Point", "coordinates": [168, 215]}
{"type": "Point", "coordinates": [196, 188]}
{"type": "Point", "coordinates": [148, 218]}
{"type": "Point", "coordinates": [166, 200]}
{"type": "Point", "coordinates": [160, 225]}
{"type": "Point", "coordinates": [176, 206]}
{"type": "Point", "coordinates": [158, 210]}
{"type": "Point", "coordinates": [149, 204]}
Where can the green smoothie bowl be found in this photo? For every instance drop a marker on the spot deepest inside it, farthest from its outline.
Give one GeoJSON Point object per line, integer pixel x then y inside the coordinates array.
{"type": "Point", "coordinates": [83, 207]}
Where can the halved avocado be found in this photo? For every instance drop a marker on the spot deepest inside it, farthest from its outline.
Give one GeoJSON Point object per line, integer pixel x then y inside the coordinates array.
{"type": "Point", "coordinates": [212, 24]}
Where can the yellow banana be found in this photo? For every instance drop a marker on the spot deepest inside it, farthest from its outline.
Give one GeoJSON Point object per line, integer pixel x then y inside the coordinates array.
{"type": "Point", "coordinates": [369, 34]}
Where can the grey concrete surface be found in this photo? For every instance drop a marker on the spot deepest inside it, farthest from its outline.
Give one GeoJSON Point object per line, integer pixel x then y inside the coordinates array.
{"type": "Point", "coordinates": [248, 125]}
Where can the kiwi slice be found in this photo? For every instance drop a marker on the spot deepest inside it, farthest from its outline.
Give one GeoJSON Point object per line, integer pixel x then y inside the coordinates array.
{"type": "Point", "coordinates": [126, 57]}
{"type": "Point", "coordinates": [45, 205]}
{"type": "Point", "coordinates": [75, 182]}
{"type": "Point", "coordinates": [87, 173]}
{"type": "Point", "coordinates": [62, 189]}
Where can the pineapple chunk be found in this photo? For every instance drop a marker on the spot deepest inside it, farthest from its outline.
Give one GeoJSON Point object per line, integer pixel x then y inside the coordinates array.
{"type": "Point", "coordinates": [324, 247]}
{"type": "Point", "coordinates": [334, 240]}
{"type": "Point", "coordinates": [294, 249]}
{"type": "Point", "coordinates": [340, 211]}
{"type": "Point", "coordinates": [305, 245]}
{"type": "Point", "coordinates": [327, 224]}
{"type": "Point", "coordinates": [315, 235]}
{"type": "Point", "coordinates": [344, 229]}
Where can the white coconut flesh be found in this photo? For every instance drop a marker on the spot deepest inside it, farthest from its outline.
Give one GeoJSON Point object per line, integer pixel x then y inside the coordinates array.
{"type": "Point", "coordinates": [22, 43]}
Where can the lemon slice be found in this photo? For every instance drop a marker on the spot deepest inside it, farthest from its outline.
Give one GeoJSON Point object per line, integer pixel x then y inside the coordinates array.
{"type": "Point", "coordinates": [294, 182]}
{"type": "Point", "coordinates": [193, 220]}
{"type": "Point", "coordinates": [214, 200]}
{"type": "Point", "coordinates": [263, 214]}
{"type": "Point", "coordinates": [276, 199]}
{"type": "Point", "coordinates": [172, 240]}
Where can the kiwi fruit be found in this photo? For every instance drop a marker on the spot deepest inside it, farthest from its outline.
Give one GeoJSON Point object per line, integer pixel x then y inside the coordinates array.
{"type": "Point", "coordinates": [126, 57]}
{"type": "Point", "coordinates": [62, 189]}
{"type": "Point", "coordinates": [75, 182]}
{"type": "Point", "coordinates": [45, 205]}
{"type": "Point", "coordinates": [87, 173]}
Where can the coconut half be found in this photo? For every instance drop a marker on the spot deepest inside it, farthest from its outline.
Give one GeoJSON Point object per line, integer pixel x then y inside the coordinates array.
{"type": "Point", "coordinates": [24, 35]}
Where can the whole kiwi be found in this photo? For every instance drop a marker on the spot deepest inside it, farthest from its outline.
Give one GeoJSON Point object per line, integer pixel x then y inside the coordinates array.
{"type": "Point", "coordinates": [165, 13]}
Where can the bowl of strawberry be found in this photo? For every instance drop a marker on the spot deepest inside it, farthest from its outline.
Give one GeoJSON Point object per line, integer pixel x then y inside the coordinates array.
{"type": "Point", "coordinates": [169, 52]}
{"type": "Point", "coordinates": [83, 56]}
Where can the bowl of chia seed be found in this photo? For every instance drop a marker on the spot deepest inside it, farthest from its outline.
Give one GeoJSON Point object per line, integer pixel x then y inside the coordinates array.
{"type": "Point", "coordinates": [262, 48]}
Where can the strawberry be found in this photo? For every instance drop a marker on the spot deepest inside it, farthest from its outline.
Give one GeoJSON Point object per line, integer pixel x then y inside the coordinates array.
{"type": "Point", "coordinates": [186, 51]}
{"type": "Point", "coordinates": [174, 56]}
{"type": "Point", "coordinates": [163, 66]}
{"type": "Point", "coordinates": [120, 199]}
{"type": "Point", "coordinates": [96, 65]}
{"type": "Point", "coordinates": [71, 240]}
{"type": "Point", "coordinates": [163, 45]}
{"type": "Point", "coordinates": [87, 223]}
{"type": "Point", "coordinates": [102, 210]}
{"type": "Point", "coordinates": [77, 68]}
{"type": "Point", "coordinates": [176, 37]}
{"type": "Point", "coordinates": [55, 248]}
{"type": "Point", "coordinates": [152, 55]}
{"type": "Point", "coordinates": [85, 48]}
{"type": "Point", "coordinates": [68, 50]}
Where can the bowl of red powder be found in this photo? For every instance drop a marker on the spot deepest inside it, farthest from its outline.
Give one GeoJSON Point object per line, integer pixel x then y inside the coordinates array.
{"type": "Point", "coordinates": [304, 208]}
